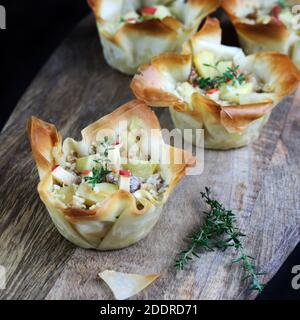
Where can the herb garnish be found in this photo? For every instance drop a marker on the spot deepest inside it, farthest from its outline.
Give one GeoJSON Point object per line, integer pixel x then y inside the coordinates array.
{"type": "Point", "coordinates": [98, 176]}
{"type": "Point", "coordinates": [219, 232]}
{"type": "Point", "coordinates": [100, 172]}
{"type": "Point", "coordinates": [107, 146]}
{"type": "Point", "coordinates": [231, 74]}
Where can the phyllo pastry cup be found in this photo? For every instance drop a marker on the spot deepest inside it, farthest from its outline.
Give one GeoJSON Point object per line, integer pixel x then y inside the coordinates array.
{"type": "Point", "coordinates": [217, 88]}
{"type": "Point", "coordinates": [98, 192]}
{"type": "Point", "coordinates": [266, 25]}
{"type": "Point", "coordinates": [132, 32]}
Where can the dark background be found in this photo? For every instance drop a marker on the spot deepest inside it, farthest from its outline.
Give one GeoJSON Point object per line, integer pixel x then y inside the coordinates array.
{"type": "Point", "coordinates": [34, 29]}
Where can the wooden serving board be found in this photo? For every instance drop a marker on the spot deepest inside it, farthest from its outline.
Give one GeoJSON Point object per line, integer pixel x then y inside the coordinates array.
{"type": "Point", "coordinates": [260, 183]}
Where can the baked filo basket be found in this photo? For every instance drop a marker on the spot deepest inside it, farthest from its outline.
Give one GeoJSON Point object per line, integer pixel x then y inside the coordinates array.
{"type": "Point", "coordinates": [132, 32]}
{"type": "Point", "coordinates": [267, 25]}
{"type": "Point", "coordinates": [217, 88]}
{"type": "Point", "coordinates": [99, 194]}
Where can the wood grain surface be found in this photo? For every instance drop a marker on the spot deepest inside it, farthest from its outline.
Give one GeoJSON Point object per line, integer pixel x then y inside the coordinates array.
{"type": "Point", "coordinates": [260, 183]}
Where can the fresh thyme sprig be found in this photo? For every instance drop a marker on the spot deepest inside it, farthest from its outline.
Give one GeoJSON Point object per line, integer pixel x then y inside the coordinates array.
{"type": "Point", "coordinates": [219, 232]}
{"type": "Point", "coordinates": [231, 74]}
{"type": "Point", "coordinates": [104, 158]}
{"type": "Point", "coordinates": [100, 172]}
{"type": "Point", "coordinates": [218, 222]}
{"type": "Point", "coordinates": [98, 176]}
{"type": "Point", "coordinates": [206, 83]}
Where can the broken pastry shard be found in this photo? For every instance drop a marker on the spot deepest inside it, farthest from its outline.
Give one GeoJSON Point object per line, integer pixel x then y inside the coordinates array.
{"type": "Point", "coordinates": [126, 285]}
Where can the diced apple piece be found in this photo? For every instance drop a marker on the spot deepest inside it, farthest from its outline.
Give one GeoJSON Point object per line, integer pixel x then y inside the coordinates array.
{"type": "Point", "coordinates": [85, 163]}
{"type": "Point", "coordinates": [86, 173]}
{"type": "Point", "coordinates": [161, 12]}
{"type": "Point", "coordinates": [124, 181]}
{"type": "Point", "coordinates": [63, 176]}
{"type": "Point", "coordinates": [142, 170]}
{"type": "Point", "coordinates": [149, 10]}
{"type": "Point", "coordinates": [125, 173]}
{"type": "Point", "coordinates": [212, 91]}
{"type": "Point", "coordinates": [202, 60]}
{"type": "Point", "coordinates": [156, 12]}
{"type": "Point", "coordinates": [224, 65]}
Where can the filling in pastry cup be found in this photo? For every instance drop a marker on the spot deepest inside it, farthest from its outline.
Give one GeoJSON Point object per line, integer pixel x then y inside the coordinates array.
{"type": "Point", "coordinates": [266, 25]}
{"type": "Point", "coordinates": [132, 32]}
{"type": "Point", "coordinates": [217, 88]}
{"type": "Point", "coordinates": [107, 190]}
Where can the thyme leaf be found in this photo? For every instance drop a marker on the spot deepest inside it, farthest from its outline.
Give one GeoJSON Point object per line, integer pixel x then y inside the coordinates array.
{"type": "Point", "coordinates": [231, 74]}
{"type": "Point", "coordinates": [100, 172]}
{"type": "Point", "coordinates": [98, 176]}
